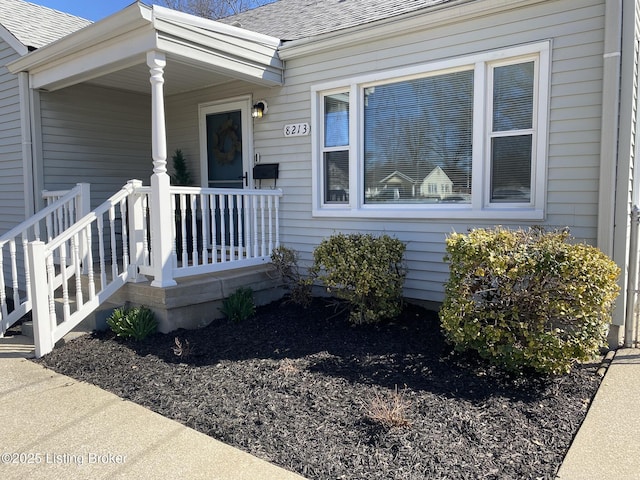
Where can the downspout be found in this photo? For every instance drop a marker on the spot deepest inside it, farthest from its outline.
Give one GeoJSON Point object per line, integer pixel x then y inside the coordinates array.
{"type": "Point", "coordinates": [27, 144]}
{"type": "Point", "coordinates": [609, 146]}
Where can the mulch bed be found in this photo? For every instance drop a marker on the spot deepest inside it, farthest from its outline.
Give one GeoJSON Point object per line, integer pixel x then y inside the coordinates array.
{"type": "Point", "coordinates": [295, 387]}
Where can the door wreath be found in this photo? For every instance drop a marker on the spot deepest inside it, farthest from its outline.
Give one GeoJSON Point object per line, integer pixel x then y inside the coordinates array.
{"type": "Point", "coordinates": [226, 143]}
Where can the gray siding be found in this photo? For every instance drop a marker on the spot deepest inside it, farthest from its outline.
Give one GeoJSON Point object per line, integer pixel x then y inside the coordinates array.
{"type": "Point", "coordinates": [11, 167]}
{"type": "Point", "coordinates": [95, 135]}
{"type": "Point", "coordinates": [576, 31]}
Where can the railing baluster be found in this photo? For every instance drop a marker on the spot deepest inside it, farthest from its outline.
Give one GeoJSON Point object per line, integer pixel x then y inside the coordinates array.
{"type": "Point", "coordinates": [232, 229]}
{"type": "Point", "coordinates": [262, 232]}
{"type": "Point", "coordinates": [75, 240]}
{"type": "Point", "coordinates": [65, 286]}
{"type": "Point", "coordinates": [214, 229]}
{"type": "Point", "coordinates": [277, 213]}
{"type": "Point", "coordinates": [14, 273]}
{"type": "Point", "coordinates": [3, 295]}
{"type": "Point", "coordinates": [90, 273]}
{"type": "Point", "coordinates": [51, 274]}
{"type": "Point", "coordinates": [254, 201]}
{"type": "Point", "coordinates": [204, 214]}
{"type": "Point", "coordinates": [194, 229]}
{"type": "Point", "coordinates": [183, 230]}
{"type": "Point", "coordinates": [113, 246]}
{"type": "Point", "coordinates": [125, 236]}
{"type": "Point", "coordinates": [270, 212]}
{"type": "Point", "coordinates": [103, 273]}
{"type": "Point", "coordinates": [25, 260]}
{"type": "Point", "coordinates": [223, 228]}
{"type": "Point", "coordinates": [145, 243]}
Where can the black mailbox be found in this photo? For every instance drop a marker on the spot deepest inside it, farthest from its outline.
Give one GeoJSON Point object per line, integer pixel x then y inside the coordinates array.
{"type": "Point", "coordinates": [265, 171]}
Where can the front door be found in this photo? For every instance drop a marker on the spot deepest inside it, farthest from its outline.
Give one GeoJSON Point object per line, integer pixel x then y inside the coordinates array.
{"type": "Point", "coordinates": [225, 145]}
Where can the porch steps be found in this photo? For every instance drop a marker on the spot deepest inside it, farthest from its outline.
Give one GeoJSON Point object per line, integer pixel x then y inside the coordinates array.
{"type": "Point", "coordinates": [194, 302]}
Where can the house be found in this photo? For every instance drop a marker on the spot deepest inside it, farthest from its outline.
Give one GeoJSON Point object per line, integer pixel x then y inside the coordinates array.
{"type": "Point", "coordinates": [530, 104]}
{"type": "Point", "coordinates": [436, 184]}
{"type": "Point", "coordinates": [395, 186]}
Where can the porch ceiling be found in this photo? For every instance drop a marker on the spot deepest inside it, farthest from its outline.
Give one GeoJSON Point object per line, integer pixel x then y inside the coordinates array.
{"type": "Point", "coordinates": [112, 53]}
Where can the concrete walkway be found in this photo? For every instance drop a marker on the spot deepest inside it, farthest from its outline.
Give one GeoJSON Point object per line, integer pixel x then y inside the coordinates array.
{"type": "Point", "coordinates": [52, 426]}
{"type": "Point", "coordinates": [607, 445]}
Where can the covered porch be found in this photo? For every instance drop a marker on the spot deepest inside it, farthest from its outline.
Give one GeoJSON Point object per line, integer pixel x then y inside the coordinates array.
{"type": "Point", "coordinates": [158, 235]}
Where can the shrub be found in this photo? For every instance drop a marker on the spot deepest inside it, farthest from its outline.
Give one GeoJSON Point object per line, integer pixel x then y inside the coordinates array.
{"type": "Point", "coordinates": [239, 305]}
{"type": "Point", "coordinates": [285, 261]}
{"type": "Point", "coordinates": [527, 298]}
{"type": "Point", "coordinates": [135, 322]}
{"type": "Point", "coordinates": [364, 270]}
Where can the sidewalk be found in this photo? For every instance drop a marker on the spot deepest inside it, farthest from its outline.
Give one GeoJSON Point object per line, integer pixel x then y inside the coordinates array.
{"type": "Point", "coordinates": [52, 426]}
{"type": "Point", "coordinates": [608, 442]}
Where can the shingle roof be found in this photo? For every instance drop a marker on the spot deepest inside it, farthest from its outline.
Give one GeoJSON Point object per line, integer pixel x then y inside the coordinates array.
{"type": "Point", "coordinates": [295, 19]}
{"type": "Point", "coordinates": [34, 25]}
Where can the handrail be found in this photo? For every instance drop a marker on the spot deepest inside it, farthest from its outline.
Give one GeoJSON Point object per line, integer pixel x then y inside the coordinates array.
{"type": "Point", "coordinates": [89, 218]}
{"type": "Point", "coordinates": [39, 216]}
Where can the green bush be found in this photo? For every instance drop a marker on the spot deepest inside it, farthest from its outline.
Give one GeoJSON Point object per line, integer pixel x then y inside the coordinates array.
{"type": "Point", "coordinates": [364, 270]}
{"type": "Point", "coordinates": [527, 298]}
{"type": "Point", "coordinates": [239, 305]}
{"type": "Point", "coordinates": [135, 322]}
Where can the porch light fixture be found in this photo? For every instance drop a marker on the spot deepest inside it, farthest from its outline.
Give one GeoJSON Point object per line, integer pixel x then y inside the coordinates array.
{"type": "Point", "coordinates": [259, 109]}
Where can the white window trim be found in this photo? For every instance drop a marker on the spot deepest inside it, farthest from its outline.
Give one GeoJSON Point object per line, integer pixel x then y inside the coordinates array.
{"type": "Point", "coordinates": [480, 207]}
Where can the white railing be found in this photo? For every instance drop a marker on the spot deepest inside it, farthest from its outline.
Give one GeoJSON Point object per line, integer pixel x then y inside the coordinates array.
{"type": "Point", "coordinates": [216, 229]}
{"type": "Point", "coordinates": [63, 209]}
{"type": "Point", "coordinates": [213, 230]}
{"type": "Point", "coordinates": [79, 269]}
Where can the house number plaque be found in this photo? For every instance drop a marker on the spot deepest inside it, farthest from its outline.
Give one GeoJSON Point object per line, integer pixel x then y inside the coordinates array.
{"type": "Point", "coordinates": [297, 130]}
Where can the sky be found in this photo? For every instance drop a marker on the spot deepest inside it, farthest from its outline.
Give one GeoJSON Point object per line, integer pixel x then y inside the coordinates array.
{"type": "Point", "coordinates": [90, 9]}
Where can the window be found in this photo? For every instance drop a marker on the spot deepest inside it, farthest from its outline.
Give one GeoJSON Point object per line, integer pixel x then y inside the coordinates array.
{"type": "Point", "coordinates": [458, 138]}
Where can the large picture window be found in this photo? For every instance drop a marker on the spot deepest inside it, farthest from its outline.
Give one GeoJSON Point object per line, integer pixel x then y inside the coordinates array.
{"type": "Point", "coordinates": [465, 137]}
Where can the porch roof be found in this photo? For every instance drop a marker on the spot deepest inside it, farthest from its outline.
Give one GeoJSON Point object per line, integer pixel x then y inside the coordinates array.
{"type": "Point", "coordinates": [112, 53]}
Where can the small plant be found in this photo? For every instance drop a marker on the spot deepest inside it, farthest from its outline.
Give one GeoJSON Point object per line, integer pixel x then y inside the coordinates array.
{"type": "Point", "coordinates": [527, 298]}
{"type": "Point", "coordinates": [182, 349]}
{"type": "Point", "coordinates": [135, 322]}
{"type": "Point", "coordinates": [285, 261]}
{"type": "Point", "coordinates": [364, 270]}
{"type": "Point", "coordinates": [239, 306]}
{"type": "Point", "coordinates": [288, 367]}
{"type": "Point", "coordinates": [181, 175]}
{"type": "Point", "coordinates": [390, 410]}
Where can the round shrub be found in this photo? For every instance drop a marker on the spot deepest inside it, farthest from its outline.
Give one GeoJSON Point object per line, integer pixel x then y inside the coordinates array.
{"type": "Point", "coordinates": [364, 270]}
{"type": "Point", "coordinates": [527, 298]}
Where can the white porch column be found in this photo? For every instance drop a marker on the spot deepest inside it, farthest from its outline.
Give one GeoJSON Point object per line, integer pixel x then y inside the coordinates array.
{"type": "Point", "coordinates": [160, 211]}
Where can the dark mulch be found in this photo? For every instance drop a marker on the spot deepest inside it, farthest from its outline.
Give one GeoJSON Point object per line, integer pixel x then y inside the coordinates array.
{"type": "Point", "coordinates": [294, 387]}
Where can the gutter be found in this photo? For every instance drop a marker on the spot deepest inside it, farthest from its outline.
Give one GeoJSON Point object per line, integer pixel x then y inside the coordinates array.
{"type": "Point", "coordinates": [26, 138]}
{"type": "Point", "coordinates": [610, 125]}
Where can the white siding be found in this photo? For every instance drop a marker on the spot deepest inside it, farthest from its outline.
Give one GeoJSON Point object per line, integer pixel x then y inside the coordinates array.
{"type": "Point", "coordinates": [576, 31]}
{"type": "Point", "coordinates": [12, 201]}
{"type": "Point", "coordinates": [95, 135]}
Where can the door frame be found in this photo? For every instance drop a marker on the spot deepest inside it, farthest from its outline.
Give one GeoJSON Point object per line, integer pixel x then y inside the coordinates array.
{"type": "Point", "coordinates": [243, 104]}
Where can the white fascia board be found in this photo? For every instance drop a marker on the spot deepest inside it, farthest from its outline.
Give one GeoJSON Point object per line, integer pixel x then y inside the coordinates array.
{"type": "Point", "coordinates": [217, 61]}
{"type": "Point", "coordinates": [187, 20]}
{"type": "Point", "coordinates": [400, 25]}
{"type": "Point", "coordinates": [85, 65]}
{"type": "Point", "coordinates": [12, 41]}
{"type": "Point", "coordinates": [232, 47]}
{"type": "Point", "coordinates": [131, 18]}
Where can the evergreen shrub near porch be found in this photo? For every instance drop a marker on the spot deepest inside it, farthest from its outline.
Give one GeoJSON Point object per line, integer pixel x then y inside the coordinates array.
{"type": "Point", "coordinates": [527, 298]}
{"type": "Point", "coordinates": [366, 271]}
